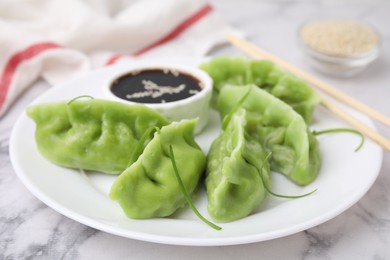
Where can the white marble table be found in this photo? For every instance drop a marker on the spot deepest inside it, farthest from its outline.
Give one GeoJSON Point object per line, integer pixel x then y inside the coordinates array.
{"type": "Point", "coordinates": [31, 230]}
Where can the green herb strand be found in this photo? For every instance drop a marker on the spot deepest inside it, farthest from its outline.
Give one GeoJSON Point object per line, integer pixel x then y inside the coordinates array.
{"type": "Point", "coordinates": [138, 149]}
{"type": "Point", "coordinates": [187, 197]}
{"type": "Point", "coordinates": [229, 116]}
{"type": "Point", "coordinates": [276, 194]}
{"type": "Point", "coordinates": [79, 97]}
{"type": "Point", "coordinates": [289, 196]}
{"type": "Point", "coordinates": [340, 130]}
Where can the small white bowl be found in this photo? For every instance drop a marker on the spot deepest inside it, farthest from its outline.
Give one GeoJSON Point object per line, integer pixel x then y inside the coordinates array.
{"type": "Point", "coordinates": [195, 106]}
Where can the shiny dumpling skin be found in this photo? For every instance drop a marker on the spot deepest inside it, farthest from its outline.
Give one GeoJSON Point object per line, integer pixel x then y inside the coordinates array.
{"type": "Point", "coordinates": [280, 129]}
{"type": "Point", "coordinates": [235, 172]}
{"type": "Point", "coordinates": [264, 74]}
{"type": "Point", "coordinates": [149, 188]}
{"type": "Point", "coordinates": [91, 134]}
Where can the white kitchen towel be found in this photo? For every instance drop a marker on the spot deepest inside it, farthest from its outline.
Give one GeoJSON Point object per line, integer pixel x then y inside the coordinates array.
{"type": "Point", "coordinates": [56, 39]}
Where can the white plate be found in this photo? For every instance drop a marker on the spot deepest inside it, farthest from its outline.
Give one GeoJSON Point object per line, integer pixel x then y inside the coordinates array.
{"type": "Point", "coordinates": [344, 178]}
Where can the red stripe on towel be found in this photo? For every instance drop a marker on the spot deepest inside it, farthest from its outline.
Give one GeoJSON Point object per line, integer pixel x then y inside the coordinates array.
{"type": "Point", "coordinates": [14, 62]}
{"type": "Point", "coordinates": [206, 9]}
{"type": "Point", "coordinates": [113, 59]}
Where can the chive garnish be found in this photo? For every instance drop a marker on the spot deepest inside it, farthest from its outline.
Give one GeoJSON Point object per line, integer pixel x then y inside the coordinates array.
{"type": "Point", "coordinates": [339, 130]}
{"type": "Point", "coordinates": [76, 98]}
{"type": "Point", "coordinates": [288, 196]}
{"type": "Point", "coordinates": [139, 148]}
{"type": "Point", "coordinates": [229, 116]}
{"type": "Point", "coordinates": [187, 197]}
{"type": "Point", "coordinates": [276, 194]}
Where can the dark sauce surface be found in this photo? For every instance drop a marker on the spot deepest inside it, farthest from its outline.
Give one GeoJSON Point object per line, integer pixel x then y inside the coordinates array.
{"type": "Point", "coordinates": [155, 86]}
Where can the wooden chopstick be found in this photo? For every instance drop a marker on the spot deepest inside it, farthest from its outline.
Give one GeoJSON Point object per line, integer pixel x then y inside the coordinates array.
{"type": "Point", "coordinates": [257, 53]}
{"type": "Point", "coordinates": [364, 129]}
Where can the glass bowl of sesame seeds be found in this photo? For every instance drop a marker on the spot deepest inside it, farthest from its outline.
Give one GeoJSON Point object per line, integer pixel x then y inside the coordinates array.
{"type": "Point", "coordinates": [339, 47]}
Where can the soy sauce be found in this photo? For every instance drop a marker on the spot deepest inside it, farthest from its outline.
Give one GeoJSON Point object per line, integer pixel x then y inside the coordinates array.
{"type": "Point", "coordinates": [156, 86]}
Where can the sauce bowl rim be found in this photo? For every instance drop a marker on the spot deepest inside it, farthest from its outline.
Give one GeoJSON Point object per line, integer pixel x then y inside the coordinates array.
{"type": "Point", "coordinates": [206, 83]}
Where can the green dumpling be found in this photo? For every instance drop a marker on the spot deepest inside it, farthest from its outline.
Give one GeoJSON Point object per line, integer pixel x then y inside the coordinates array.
{"type": "Point", "coordinates": [266, 75]}
{"type": "Point", "coordinates": [235, 172]}
{"type": "Point", "coordinates": [149, 188]}
{"type": "Point", "coordinates": [280, 130]}
{"type": "Point", "coordinates": [91, 134]}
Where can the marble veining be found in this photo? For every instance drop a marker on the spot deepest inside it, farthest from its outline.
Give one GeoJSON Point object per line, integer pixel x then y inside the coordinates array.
{"type": "Point", "coordinates": [31, 230]}
{"type": "Point", "coordinates": [319, 243]}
